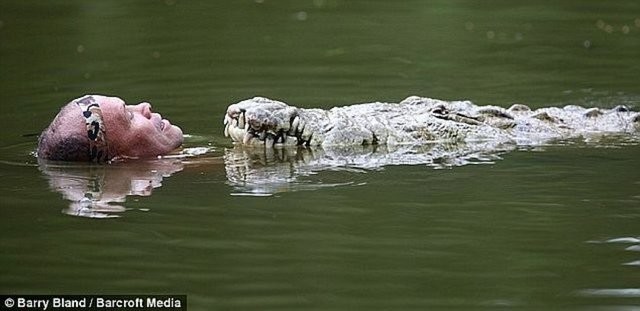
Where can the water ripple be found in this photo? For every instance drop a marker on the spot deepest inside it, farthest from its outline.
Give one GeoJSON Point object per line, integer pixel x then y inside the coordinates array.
{"type": "Point", "coordinates": [612, 292]}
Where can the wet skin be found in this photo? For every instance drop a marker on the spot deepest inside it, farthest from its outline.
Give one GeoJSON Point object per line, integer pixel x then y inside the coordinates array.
{"type": "Point", "coordinates": [137, 131]}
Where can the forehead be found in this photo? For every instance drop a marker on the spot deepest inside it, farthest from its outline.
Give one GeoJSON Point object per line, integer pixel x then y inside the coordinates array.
{"type": "Point", "coordinates": [103, 101]}
{"type": "Point", "coordinates": [113, 113]}
{"type": "Point", "coordinates": [108, 101]}
{"type": "Point", "coordinates": [111, 108]}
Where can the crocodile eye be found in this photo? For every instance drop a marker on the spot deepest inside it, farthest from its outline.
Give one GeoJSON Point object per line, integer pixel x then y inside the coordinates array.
{"type": "Point", "coordinates": [438, 110]}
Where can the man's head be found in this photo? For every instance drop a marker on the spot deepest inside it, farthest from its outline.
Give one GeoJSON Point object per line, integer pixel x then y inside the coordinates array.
{"type": "Point", "coordinates": [99, 128]}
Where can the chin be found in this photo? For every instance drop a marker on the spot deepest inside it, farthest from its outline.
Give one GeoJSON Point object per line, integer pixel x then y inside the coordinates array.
{"type": "Point", "coordinates": [176, 135]}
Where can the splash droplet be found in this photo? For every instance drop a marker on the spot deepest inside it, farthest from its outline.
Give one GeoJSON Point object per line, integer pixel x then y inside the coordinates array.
{"type": "Point", "coordinates": [319, 3]}
{"type": "Point", "coordinates": [625, 29]}
{"type": "Point", "coordinates": [301, 16]}
{"type": "Point", "coordinates": [491, 35]}
{"type": "Point", "coordinates": [469, 26]}
{"type": "Point", "coordinates": [608, 28]}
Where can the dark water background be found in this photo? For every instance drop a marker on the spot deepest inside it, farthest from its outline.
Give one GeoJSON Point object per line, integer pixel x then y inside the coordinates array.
{"type": "Point", "coordinates": [555, 227]}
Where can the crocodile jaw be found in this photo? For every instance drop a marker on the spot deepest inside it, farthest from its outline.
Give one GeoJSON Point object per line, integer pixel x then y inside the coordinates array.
{"type": "Point", "coordinates": [263, 122]}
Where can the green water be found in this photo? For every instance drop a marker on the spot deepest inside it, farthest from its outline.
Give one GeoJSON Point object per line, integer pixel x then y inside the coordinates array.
{"type": "Point", "coordinates": [535, 229]}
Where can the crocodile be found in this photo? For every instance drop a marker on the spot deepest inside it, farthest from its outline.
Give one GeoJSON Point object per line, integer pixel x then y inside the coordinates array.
{"type": "Point", "coordinates": [267, 123]}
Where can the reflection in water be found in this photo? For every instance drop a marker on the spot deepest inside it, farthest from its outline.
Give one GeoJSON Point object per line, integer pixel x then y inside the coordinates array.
{"type": "Point", "coordinates": [259, 171]}
{"type": "Point", "coordinates": [613, 292]}
{"type": "Point", "coordinates": [98, 191]}
{"type": "Point", "coordinates": [635, 246]}
{"type": "Point", "coordinates": [617, 292]}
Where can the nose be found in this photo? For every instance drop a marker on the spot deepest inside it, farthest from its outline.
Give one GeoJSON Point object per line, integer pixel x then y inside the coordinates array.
{"type": "Point", "coordinates": [144, 109]}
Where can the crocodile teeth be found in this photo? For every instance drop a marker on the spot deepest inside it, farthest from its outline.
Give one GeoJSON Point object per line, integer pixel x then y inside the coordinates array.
{"type": "Point", "coordinates": [241, 120]}
{"type": "Point", "coordinates": [233, 131]}
{"type": "Point", "coordinates": [235, 134]}
{"type": "Point", "coordinates": [306, 134]}
{"type": "Point", "coordinates": [268, 141]}
{"type": "Point", "coordinates": [294, 125]}
{"type": "Point", "coordinates": [247, 138]}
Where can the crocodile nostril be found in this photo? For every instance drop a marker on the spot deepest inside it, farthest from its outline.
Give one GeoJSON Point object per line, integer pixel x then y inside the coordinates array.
{"type": "Point", "coordinates": [621, 108]}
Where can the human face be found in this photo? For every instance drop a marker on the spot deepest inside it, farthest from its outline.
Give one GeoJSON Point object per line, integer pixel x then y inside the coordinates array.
{"type": "Point", "coordinates": [135, 130]}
